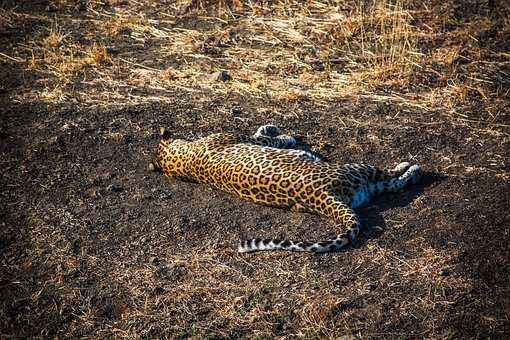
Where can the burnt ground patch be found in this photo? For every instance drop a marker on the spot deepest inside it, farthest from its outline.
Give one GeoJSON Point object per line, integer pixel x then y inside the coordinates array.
{"type": "Point", "coordinates": [92, 243]}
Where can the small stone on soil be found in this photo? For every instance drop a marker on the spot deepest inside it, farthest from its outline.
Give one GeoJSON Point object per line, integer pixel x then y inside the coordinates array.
{"type": "Point", "coordinates": [444, 272]}
{"type": "Point", "coordinates": [371, 286]}
{"type": "Point", "coordinates": [220, 76]}
{"type": "Point", "coordinates": [236, 111]}
{"type": "Point", "coordinates": [126, 139]}
{"type": "Point", "coordinates": [114, 188]}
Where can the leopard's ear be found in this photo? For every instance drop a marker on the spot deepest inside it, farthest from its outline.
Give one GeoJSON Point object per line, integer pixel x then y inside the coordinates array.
{"type": "Point", "coordinates": [153, 167]}
{"type": "Point", "coordinates": [164, 133]}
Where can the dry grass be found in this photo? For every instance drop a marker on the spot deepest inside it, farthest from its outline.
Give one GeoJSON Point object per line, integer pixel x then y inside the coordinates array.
{"type": "Point", "coordinates": [219, 292]}
{"type": "Point", "coordinates": [322, 51]}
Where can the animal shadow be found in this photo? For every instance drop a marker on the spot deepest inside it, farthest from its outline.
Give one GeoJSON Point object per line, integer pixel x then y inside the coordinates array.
{"type": "Point", "coordinates": [371, 214]}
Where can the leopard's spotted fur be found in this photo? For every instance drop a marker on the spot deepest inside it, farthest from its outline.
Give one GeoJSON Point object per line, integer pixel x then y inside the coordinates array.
{"type": "Point", "coordinates": [266, 169]}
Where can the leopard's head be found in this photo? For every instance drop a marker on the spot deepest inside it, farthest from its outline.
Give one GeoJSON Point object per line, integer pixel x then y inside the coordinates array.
{"type": "Point", "coordinates": [166, 155]}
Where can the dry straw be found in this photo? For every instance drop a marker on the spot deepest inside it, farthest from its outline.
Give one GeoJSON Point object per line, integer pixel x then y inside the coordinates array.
{"type": "Point", "coordinates": [286, 50]}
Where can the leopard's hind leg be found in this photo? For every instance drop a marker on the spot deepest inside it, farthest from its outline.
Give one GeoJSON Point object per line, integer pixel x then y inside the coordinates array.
{"type": "Point", "coordinates": [400, 168]}
{"type": "Point", "coordinates": [268, 130]}
{"type": "Point", "coordinates": [403, 175]}
{"type": "Point", "coordinates": [270, 135]}
{"type": "Point", "coordinates": [376, 174]}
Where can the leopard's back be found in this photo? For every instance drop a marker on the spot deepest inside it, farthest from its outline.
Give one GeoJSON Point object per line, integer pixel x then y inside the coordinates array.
{"type": "Point", "coordinates": [278, 177]}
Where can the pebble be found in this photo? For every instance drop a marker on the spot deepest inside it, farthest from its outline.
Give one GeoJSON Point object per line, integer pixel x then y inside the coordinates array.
{"type": "Point", "coordinates": [220, 76]}
{"type": "Point", "coordinates": [444, 272]}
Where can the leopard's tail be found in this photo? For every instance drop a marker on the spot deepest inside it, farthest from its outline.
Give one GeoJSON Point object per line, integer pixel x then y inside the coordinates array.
{"type": "Point", "coordinates": [336, 244]}
{"type": "Point", "coordinates": [410, 175]}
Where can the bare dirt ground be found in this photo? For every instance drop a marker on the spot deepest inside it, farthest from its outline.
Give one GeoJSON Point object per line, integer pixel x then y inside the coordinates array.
{"type": "Point", "coordinates": [92, 245]}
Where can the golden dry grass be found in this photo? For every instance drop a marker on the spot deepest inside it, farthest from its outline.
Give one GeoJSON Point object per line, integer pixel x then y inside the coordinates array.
{"type": "Point", "coordinates": [318, 50]}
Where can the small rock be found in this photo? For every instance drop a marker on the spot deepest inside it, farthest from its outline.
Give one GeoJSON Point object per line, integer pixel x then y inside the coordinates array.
{"type": "Point", "coordinates": [236, 111]}
{"type": "Point", "coordinates": [444, 272]}
{"type": "Point", "coordinates": [154, 260]}
{"type": "Point", "coordinates": [81, 6]}
{"type": "Point", "coordinates": [51, 8]}
{"type": "Point", "coordinates": [372, 286]}
{"type": "Point", "coordinates": [159, 290]}
{"type": "Point", "coordinates": [126, 139]}
{"type": "Point", "coordinates": [114, 188]}
{"type": "Point", "coordinates": [76, 247]}
{"type": "Point", "coordinates": [114, 50]}
{"type": "Point", "coordinates": [184, 222]}
{"type": "Point", "coordinates": [59, 141]}
{"type": "Point", "coordinates": [93, 192]}
{"type": "Point", "coordinates": [220, 76]}
{"type": "Point", "coordinates": [56, 144]}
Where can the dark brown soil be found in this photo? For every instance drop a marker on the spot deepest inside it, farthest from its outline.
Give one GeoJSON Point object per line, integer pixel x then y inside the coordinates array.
{"type": "Point", "coordinates": [88, 236]}
{"type": "Point", "coordinates": [92, 245]}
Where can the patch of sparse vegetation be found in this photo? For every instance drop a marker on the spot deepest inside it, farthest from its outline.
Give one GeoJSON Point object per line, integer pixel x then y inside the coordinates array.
{"type": "Point", "coordinates": [318, 50]}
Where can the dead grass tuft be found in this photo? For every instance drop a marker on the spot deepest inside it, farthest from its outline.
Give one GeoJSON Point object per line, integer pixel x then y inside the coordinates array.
{"type": "Point", "coordinates": [97, 56]}
{"type": "Point", "coordinates": [54, 39]}
{"type": "Point", "coordinates": [54, 95]}
{"type": "Point", "coordinates": [76, 59]}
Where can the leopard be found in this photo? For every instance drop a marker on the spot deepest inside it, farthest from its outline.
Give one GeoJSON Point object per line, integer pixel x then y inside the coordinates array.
{"type": "Point", "coordinates": [270, 168]}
